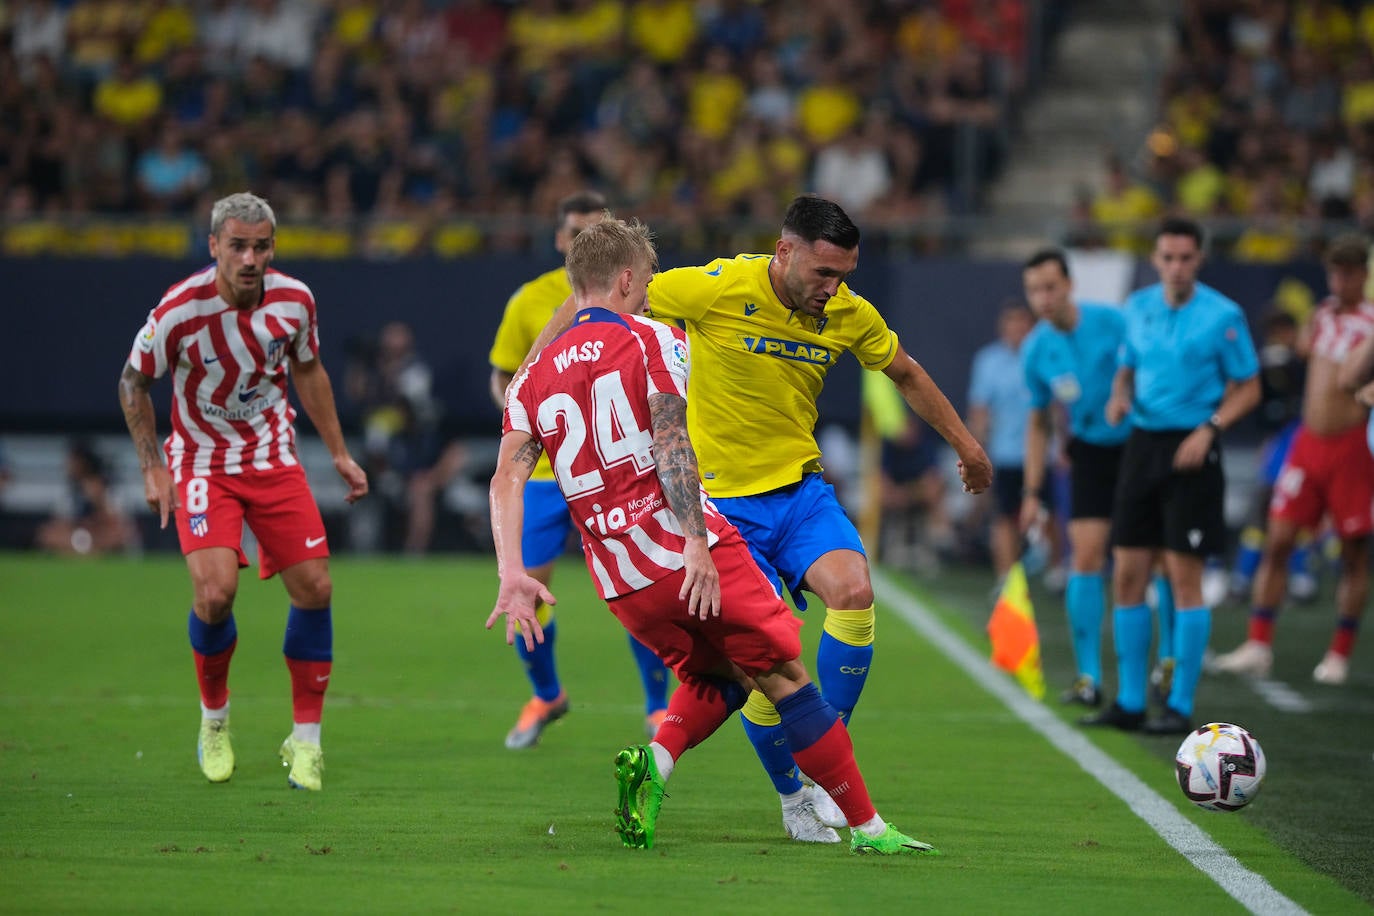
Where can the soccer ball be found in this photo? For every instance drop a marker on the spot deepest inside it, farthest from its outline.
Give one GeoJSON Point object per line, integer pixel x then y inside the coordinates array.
{"type": "Point", "coordinates": [1220, 767]}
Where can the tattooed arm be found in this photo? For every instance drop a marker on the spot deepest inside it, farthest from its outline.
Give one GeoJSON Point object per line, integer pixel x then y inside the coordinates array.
{"type": "Point", "coordinates": [681, 481]}
{"type": "Point", "coordinates": [520, 592]}
{"type": "Point", "coordinates": [158, 488]}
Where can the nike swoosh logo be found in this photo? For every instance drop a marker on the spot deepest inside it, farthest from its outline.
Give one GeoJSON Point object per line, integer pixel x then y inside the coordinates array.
{"type": "Point", "coordinates": [716, 272]}
{"type": "Point", "coordinates": [314, 542]}
{"type": "Point", "coordinates": [211, 359]}
{"type": "Point", "coordinates": [246, 396]}
{"type": "Point", "coordinates": [321, 678]}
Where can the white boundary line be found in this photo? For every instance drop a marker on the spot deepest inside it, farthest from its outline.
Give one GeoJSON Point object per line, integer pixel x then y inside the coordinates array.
{"type": "Point", "coordinates": [1247, 888]}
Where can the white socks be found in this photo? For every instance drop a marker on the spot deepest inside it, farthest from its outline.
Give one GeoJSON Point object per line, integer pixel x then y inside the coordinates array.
{"type": "Point", "coordinates": [222, 713]}
{"type": "Point", "coordinates": [663, 760]}
{"type": "Point", "coordinates": [875, 826]}
{"type": "Point", "coordinates": [309, 732]}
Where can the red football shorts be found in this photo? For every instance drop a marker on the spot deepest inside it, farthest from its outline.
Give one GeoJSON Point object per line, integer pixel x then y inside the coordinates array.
{"type": "Point", "coordinates": [1332, 474]}
{"type": "Point", "coordinates": [756, 629]}
{"type": "Point", "coordinates": [277, 505]}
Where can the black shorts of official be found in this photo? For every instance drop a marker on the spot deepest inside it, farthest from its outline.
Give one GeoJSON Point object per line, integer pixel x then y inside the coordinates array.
{"type": "Point", "coordinates": [1008, 485]}
{"type": "Point", "coordinates": [1157, 506]}
{"type": "Point", "coordinates": [1092, 479]}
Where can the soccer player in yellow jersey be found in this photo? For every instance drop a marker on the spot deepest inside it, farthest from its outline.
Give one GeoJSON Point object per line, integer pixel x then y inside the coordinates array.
{"type": "Point", "coordinates": [764, 331]}
{"type": "Point", "coordinates": [547, 523]}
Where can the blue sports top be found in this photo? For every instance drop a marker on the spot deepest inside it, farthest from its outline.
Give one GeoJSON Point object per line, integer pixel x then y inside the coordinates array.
{"type": "Point", "coordinates": [998, 384]}
{"type": "Point", "coordinates": [1183, 357]}
{"type": "Point", "coordinates": [1076, 368]}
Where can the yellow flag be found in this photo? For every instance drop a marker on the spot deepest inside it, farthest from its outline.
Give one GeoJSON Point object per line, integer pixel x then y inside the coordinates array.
{"type": "Point", "coordinates": [1015, 640]}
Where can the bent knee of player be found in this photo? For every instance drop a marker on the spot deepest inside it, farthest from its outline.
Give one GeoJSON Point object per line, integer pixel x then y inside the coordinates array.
{"type": "Point", "coordinates": [850, 594]}
{"type": "Point", "coordinates": [309, 585]}
{"type": "Point", "coordinates": [214, 601]}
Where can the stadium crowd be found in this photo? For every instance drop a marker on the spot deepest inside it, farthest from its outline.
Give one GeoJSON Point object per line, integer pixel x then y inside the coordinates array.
{"type": "Point", "coordinates": [412, 114]}
{"type": "Point", "coordinates": [1265, 121]}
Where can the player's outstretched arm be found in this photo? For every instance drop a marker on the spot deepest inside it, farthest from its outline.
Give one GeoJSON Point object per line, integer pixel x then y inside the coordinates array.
{"type": "Point", "coordinates": [677, 472]}
{"type": "Point", "coordinates": [930, 403]}
{"type": "Point", "coordinates": [137, 404]}
{"type": "Point", "coordinates": [317, 397]}
{"type": "Point", "coordinates": [520, 592]}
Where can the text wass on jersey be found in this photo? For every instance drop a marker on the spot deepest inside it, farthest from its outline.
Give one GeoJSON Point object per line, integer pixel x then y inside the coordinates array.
{"type": "Point", "coordinates": [585, 398]}
{"type": "Point", "coordinates": [230, 409]}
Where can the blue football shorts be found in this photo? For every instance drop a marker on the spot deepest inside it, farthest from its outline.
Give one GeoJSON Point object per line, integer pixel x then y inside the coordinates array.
{"type": "Point", "coordinates": [547, 523]}
{"type": "Point", "coordinates": [791, 528]}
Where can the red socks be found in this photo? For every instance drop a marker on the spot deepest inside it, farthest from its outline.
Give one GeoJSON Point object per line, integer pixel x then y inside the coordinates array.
{"type": "Point", "coordinates": [309, 680]}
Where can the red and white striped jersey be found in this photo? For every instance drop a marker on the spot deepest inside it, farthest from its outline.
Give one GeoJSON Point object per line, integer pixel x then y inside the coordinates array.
{"type": "Point", "coordinates": [586, 399]}
{"type": "Point", "coordinates": [1335, 333]}
{"type": "Point", "coordinates": [229, 366]}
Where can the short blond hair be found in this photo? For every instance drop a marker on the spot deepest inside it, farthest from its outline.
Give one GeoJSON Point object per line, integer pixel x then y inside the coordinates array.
{"type": "Point", "coordinates": [602, 250]}
{"type": "Point", "coordinates": [244, 207]}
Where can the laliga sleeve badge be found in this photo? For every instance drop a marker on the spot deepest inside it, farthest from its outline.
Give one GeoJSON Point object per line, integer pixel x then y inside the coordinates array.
{"type": "Point", "coordinates": [147, 335]}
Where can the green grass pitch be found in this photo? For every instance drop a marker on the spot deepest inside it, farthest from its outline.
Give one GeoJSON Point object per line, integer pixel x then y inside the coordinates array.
{"type": "Point", "coordinates": [103, 809]}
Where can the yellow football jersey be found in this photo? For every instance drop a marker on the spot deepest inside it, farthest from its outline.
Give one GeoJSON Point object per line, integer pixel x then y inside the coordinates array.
{"type": "Point", "coordinates": [758, 367]}
{"type": "Point", "coordinates": [527, 311]}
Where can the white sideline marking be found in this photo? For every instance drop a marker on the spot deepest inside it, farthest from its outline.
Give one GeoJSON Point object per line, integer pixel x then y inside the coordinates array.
{"type": "Point", "coordinates": [1247, 888]}
{"type": "Point", "coordinates": [1280, 696]}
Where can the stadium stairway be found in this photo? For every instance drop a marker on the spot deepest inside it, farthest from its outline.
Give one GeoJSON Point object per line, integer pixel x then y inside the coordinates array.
{"type": "Point", "coordinates": [1098, 94]}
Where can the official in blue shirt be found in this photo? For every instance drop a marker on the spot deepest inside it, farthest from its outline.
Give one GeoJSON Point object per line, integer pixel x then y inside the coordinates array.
{"type": "Point", "coordinates": [999, 405]}
{"type": "Point", "coordinates": [1071, 358]}
{"type": "Point", "coordinates": [1188, 371]}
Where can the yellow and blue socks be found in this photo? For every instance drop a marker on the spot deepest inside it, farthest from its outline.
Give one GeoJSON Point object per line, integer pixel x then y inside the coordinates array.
{"type": "Point", "coordinates": [309, 650]}
{"type": "Point", "coordinates": [1085, 602]}
{"type": "Point", "coordinates": [763, 727]}
{"type": "Point", "coordinates": [213, 646]}
{"type": "Point", "coordinates": [843, 660]}
{"type": "Point", "coordinates": [653, 674]}
{"type": "Point", "coordinates": [844, 657]}
{"type": "Point", "coordinates": [1131, 626]}
{"type": "Point", "coordinates": [1250, 552]}
{"type": "Point", "coordinates": [1192, 630]}
{"type": "Point", "coordinates": [540, 666]}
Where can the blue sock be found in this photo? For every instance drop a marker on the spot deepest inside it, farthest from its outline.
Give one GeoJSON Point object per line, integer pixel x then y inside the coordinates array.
{"type": "Point", "coordinates": [770, 743]}
{"type": "Point", "coordinates": [1085, 604]}
{"type": "Point", "coordinates": [653, 674]}
{"type": "Point", "coordinates": [1194, 631]}
{"type": "Point", "coordinates": [309, 635]}
{"type": "Point", "coordinates": [212, 638]}
{"type": "Point", "coordinates": [1164, 607]}
{"type": "Point", "coordinates": [806, 717]}
{"type": "Point", "coordinates": [1250, 552]}
{"type": "Point", "coordinates": [539, 664]}
{"type": "Point", "coordinates": [1300, 559]}
{"type": "Point", "coordinates": [842, 670]}
{"type": "Point", "coordinates": [1131, 635]}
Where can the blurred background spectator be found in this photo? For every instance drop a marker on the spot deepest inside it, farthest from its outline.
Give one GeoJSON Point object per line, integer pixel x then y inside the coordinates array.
{"type": "Point", "coordinates": [418, 111]}
{"type": "Point", "coordinates": [1265, 124]}
{"type": "Point", "coordinates": [403, 454]}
